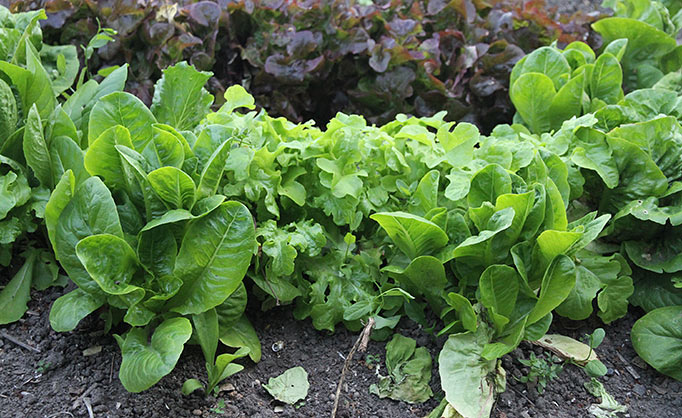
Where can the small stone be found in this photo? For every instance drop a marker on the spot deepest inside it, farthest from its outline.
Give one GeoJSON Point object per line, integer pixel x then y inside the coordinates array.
{"type": "Point", "coordinates": [28, 398]}
{"type": "Point", "coordinates": [660, 390]}
{"type": "Point", "coordinates": [278, 346]}
{"type": "Point", "coordinates": [506, 399]}
{"type": "Point", "coordinates": [197, 412]}
{"type": "Point", "coordinates": [279, 409]}
{"type": "Point", "coordinates": [541, 403]}
{"type": "Point", "coordinates": [227, 387]}
{"type": "Point", "coordinates": [639, 389]}
{"type": "Point", "coordinates": [75, 391]}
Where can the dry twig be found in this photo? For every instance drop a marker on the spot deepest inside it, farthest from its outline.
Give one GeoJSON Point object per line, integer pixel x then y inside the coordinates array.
{"type": "Point", "coordinates": [86, 402]}
{"type": "Point", "coordinates": [86, 393]}
{"type": "Point", "coordinates": [360, 345]}
{"type": "Point", "coordinates": [8, 337]}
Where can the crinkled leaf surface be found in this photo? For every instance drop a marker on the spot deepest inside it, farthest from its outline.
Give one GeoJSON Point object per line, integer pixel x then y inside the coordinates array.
{"type": "Point", "coordinates": [121, 108]}
{"type": "Point", "coordinates": [215, 253]}
{"type": "Point", "coordinates": [180, 99]}
{"type": "Point", "coordinates": [413, 234]}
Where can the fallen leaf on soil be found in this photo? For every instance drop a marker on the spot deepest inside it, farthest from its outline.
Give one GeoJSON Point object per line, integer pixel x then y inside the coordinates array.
{"type": "Point", "coordinates": [567, 348]}
{"type": "Point", "coordinates": [289, 387]}
{"type": "Point", "coordinates": [91, 351]}
{"type": "Point", "coordinates": [609, 407]}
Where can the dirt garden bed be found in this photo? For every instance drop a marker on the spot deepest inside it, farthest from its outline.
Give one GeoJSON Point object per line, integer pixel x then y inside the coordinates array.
{"type": "Point", "coordinates": [75, 373]}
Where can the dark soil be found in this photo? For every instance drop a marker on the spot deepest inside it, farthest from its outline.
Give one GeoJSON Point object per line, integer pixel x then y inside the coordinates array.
{"type": "Point", "coordinates": [629, 379]}
{"type": "Point", "coordinates": [61, 381]}
{"type": "Point", "coordinates": [50, 383]}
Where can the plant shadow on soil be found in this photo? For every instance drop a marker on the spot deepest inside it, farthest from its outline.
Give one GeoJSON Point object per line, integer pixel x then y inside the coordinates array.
{"type": "Point", "coordinates": [60, 381]}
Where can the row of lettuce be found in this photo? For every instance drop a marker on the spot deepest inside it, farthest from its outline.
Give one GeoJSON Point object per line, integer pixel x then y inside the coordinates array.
{"type": "Point", "coordinates": [312, 59]}
{"type": "Point", "coordinates": [166, 217]}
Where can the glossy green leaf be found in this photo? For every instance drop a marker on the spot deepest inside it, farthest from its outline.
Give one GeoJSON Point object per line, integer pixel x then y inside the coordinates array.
{"type": "Point", "coordinates": [557, 283]}
{"type": "Point", "coordinates": [224, 367]}
{"type": "Point", "coordinates": [414, 235]}
{"type": "Point", "coordinates": [166, 148]}
{"type": "Point", "coordinates": [191, 385]}
{"type": "Point", "coordinates": [480, 247]}
{"type": "Point", "coordinates": [657, 338]}
{"type": "Point", "coordinates": [36, 150]}
{"type": "Point", "coordinates": [488, 184]}
{"type": "Point", "coordinates": [68, 310]}
{"type": "Point", "coordinates": [425, 198]}
{"type": "Point", "coordinates": [567, 102]}
{"type": "Point", "coordinates": [230, 311]}
{"type": "Point", "coordinates": [215, 253]}
{"type": "Point", "coordinates": [67, 155]}
{"type": "Point", "coordinates": [157, 251]}
{"type": "Point", "coordinates": [639, 176]}
{"type": "Point", "coordinates": [653, 291]}
{"type": "Point", "coordinates": [180, 99]}
{"type": "Point", "coordinates": [424, 275]}
{"type": "Point", "coordinates": [532, 95]}
{"type": "Point", "coordinates": [643, 39]}
{"type": "Point", "coordinates": [213, 171]}
{"type": "Point", "coordinates": [102, 159]}
{"type": "Point", "coordinates": [499, 287]}
{"type": "Point", "coordinates": [206, 331]}
{"type": "Point", "coordinates": [16, 294]}
{"type": "Point", "coordinates": [110, 261]}
{"type": "Point", "coordinates": [146, 361]}
{"type": "Point", "coordinates": [9, 116]}
{"type": "Point", "coordinates": [464, 310]}
{"type": "Point", "coordinates": [173, 186]}
{"type": "Point", "coordinates": [617, 48]}
{"type": "Point", "coordinates": [32, 83]}
{"type": "Point", "coordinates": [59, 198]}
{"type": "Point", "coordinates": [120, 108]}
{"type": "Point", "coordinates": [607, 79]}
{"type": "Point", "coordinates": [90, 211]}
{"type": "Point", "coordinates": [242, 334]}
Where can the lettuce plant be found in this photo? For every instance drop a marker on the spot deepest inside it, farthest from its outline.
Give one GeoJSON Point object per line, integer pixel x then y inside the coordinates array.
{"type": "Point", "coordinates": [36, 144]}
{"type": "Point", "coordinates": [550, 85]}
{"type": "Point", "coordinates": [625, 153]}
{"type": "Point", "coordinates": [143, 231]}
{"type": "Point", "coordinates": [374, 58]}
{"type": "Point", "coordinates": [651, 27]}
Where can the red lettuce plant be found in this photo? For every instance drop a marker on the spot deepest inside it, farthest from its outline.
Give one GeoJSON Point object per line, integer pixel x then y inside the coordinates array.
{"type": "Point", "coordinates": [309, 59]}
